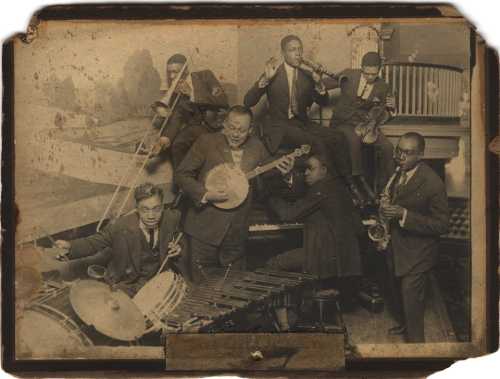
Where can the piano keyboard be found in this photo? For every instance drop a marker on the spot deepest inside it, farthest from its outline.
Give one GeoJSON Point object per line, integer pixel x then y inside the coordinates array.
{"type": "Point", "coordinates": [274, 227]}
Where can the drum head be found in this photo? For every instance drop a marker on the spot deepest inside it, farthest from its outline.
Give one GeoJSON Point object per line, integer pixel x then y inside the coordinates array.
{"type": "Point", "coordinates": [230, 179]}
{"type": "Point", "coordinates": [112, 313]}
{"type": "Point", "coordinates": [165, 287]}
{"type": "Point", "coordinates": [39, 335]}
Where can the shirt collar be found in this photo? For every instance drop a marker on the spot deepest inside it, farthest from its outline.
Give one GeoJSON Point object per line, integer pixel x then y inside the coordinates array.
{"type": "Point", "coordinates": [145, 229]}
{"type": "Point", "coordinates": [410, 173]}
{"type": "Point", "coordinates": [289, 69]}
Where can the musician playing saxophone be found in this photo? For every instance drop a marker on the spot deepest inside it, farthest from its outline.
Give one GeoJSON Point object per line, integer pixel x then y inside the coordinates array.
{"type": "Point", "coordinates": [418, 214]}
{"type": "Point", "coordinates": [217, 236]}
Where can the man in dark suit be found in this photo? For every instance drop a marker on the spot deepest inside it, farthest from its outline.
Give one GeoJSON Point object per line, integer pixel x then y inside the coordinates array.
{"type": "Point", "coordinates": [134, 247]}
{"type": "Point", "coordinates": [217, 236]}
{"type": "Point", "coordinates": [200, 94]}
{"type": "Point", "coordinates": [364, 98]}
{"type": "Point", "coordinates": [291, 89]}
{"type": "Point", "coordinates": [418, 215]}
{"type": "Point", "coordinates": [332, 226]}
{"type": "Point", "coordinates": [210, 122]}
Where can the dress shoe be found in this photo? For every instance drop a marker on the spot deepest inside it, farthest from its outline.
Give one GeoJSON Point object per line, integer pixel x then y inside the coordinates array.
{"type": "Point", "coordinates": [397, 330]}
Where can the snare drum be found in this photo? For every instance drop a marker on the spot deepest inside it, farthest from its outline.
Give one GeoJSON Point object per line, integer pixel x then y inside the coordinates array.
{"type": "Point", "coordinates": [159, 297]}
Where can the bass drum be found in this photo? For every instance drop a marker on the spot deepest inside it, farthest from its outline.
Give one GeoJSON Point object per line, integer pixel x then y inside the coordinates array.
{"type": "Point", "coordinates": [49, 327]}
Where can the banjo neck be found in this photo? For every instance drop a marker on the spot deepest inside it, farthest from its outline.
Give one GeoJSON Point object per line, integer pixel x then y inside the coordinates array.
{"type": "Point", "coordinates": [304, 149]}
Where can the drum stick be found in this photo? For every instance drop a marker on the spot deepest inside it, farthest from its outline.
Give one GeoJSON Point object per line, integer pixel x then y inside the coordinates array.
{"type": "Point", "coordinates": [176, 241]}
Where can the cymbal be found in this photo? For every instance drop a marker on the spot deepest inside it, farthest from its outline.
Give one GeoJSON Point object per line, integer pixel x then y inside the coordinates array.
{"type": "Point", "coordinates": [28, 256]}
{"type": "Point", "coordinates": [112, 313]}
{"type": "Point", "coordinates": [27, 282]}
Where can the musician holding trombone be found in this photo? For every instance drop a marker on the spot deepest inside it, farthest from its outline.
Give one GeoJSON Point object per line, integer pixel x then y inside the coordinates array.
{"type": "Point", "coordinates": [185, 103]}
{"type": "Point", "coordinates": [291, 89]}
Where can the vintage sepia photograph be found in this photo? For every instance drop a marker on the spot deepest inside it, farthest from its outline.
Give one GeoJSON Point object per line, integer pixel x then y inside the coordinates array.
{"type": "Point", "coordinates": [279, 177]}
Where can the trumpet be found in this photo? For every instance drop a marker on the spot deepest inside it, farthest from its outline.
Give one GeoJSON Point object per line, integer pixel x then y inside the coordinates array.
{"type": "Point", "coordinates": [318, 68]}
{"type": "Point", "coordinates": [379, 231]}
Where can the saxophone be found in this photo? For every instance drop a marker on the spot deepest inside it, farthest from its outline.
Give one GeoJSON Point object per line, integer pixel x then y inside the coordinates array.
{"type": "Point", "coordinates": [379, 231]}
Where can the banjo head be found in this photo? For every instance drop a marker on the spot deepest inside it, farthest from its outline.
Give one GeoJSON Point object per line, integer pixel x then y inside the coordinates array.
{"type": "Point", "coordinates": [230, 179]}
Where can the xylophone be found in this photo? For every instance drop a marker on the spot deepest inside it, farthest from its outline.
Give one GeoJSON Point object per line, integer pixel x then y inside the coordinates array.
{"type": "Point", "coordinates": [226, 296]}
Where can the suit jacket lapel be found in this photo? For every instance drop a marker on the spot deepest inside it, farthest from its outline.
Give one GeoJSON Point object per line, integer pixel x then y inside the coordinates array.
{"type": "Point", "coordinates": [282, 82]}
{"type": "Point", "coordinates": [413, 184]}
{"type": "Point", "coordinates": [355, 83]}
{"type": "Point", "coordinates": [224, 149]}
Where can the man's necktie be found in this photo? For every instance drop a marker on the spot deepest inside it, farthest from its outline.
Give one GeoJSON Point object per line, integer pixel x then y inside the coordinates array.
{"type": "Point", "coordinates": [363, 90]}
{"type": "Point", "coordinates": [151, 239]}
{"type": "Point", "coordinates": [400, 181]}
{"type": "Point", "coordinates": [294, 105]}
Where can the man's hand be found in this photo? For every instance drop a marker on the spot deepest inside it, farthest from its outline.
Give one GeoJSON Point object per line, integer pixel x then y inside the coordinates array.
{"type": "Point", "coordinates": [174, 249]}
{"type": "Point", "coordinates": [286, 165]}
{"type": "Point", "coordinates": [271, 68]}
{"type": "Point", "coordinates": [62, 244]}
{"type": "Point", "coordinates": [184, 88]}
{"type": "Point", "coordinates": [163, 111]}
{"type": "Point", "coordinates": [162, 144]}
{"type": "Point", "coordinates": [390, 102]}
{"type": "Point", "coordinates": [390, 212]}
{"type": "Point", "coordinates": [216, 196]}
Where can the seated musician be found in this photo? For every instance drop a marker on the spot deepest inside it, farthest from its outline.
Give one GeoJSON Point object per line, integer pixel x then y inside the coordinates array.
{"type": "Point", "coordinates": [217, 236]}
{"type": "Point", "coordinates": [364, 99]}
{"type": "Point", "coordinates": [291, 89]}
{"type": "Point", "coordinates": [198, 87]}
{"type": "Point", "coordinates": [331, 229]}
{"type": "Point", "coordinates": [133, 248]}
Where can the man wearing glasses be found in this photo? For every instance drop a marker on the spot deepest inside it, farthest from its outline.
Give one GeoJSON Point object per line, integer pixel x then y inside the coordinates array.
{"type": "Point", "coordinates": [418, 215]}
{"type": "Point", "coordinates": [217, 236]}
{"type": "Point", "coordinates": [132, 248]}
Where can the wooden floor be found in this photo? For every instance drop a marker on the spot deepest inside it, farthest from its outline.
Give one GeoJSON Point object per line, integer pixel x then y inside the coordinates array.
{"type": "Point", "coordinates": [366, 327]}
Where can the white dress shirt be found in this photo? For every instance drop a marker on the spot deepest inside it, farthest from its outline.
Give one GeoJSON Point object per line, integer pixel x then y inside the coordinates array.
{"type": "Point", "coordinates": [145, 231]}
{"type": "Point", "coordinates": [402, 182]}
{"type": "Point", "coordinates": [364, 89]}
{"type": "Point", "coordinates": [290, 71]}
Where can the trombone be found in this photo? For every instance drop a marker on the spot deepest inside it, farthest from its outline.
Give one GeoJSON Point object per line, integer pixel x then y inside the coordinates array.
{"type": "Point", "coordinates": [164, 101]}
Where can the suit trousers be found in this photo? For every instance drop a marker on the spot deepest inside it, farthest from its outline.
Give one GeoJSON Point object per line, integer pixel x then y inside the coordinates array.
{"type": "Point", "coordinates": [384, 151]}
{"type": "Point", "coordinates": [407, 298]}
{"type": "Point", "coordinates": [206, 259]}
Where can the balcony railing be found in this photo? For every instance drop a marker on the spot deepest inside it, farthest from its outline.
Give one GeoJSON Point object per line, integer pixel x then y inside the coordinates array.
{"type": "Point", "coordinates": [425, 90]}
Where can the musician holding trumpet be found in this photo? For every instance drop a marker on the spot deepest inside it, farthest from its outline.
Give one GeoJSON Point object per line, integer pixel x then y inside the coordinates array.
{"type": "Point", "coordinates": [291, 89]}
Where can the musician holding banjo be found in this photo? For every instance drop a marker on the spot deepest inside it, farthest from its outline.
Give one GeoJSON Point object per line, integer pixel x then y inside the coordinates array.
{"type": "Point", "coordinates": [213, 176]}
{"type": "Point", "coordinates": [291, 88]}
{"type": "Point", "coordinates": [133, 248]}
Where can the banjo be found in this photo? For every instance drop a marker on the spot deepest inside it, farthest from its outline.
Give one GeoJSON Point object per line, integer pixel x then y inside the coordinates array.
{"type": "Point", "coordinates": [234, 182]}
